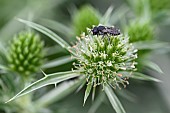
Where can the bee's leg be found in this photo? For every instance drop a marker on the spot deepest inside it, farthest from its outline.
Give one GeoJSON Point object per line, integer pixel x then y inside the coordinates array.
{"type": "Point", "coordinates": [102, 35]}
{"type": "Point", "coordinates": [108, 38]}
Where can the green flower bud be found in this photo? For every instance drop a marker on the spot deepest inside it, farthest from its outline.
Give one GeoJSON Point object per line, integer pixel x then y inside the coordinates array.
{"type": "Point", "coordinates": [103, 59]}
{"type": "Point", "coordinates": [85, 17]}
{"type": "Point", "coordinates": [26, 53]}
{"type": "Point", "coordinates": [140, 31]}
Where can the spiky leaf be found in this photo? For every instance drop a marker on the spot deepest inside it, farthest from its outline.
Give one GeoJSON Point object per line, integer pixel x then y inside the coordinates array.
{"type": "Point", "coordinates": [116, 104]}
{"type": "Point", "coordinates": [47, 80]}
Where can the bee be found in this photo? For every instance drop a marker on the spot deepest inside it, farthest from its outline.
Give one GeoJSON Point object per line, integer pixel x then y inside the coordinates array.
{"type": "Point", "coordinates": [105, 30]}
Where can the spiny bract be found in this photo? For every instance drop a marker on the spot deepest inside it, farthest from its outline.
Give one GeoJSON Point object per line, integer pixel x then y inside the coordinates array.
{"type": "Point", "coordinates": [25, 53]}
{"type": "Point", "coordinates": [104, 59]}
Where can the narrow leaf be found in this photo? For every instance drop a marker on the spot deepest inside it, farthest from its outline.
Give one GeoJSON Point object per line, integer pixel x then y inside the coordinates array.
{"type": "Point", "coordinates": [47, 80]}
{"type": "Point", "coordinates": [116, 104]}
{"type": "Point", "coordinates": [47, 32]}
{"type": "Point", "coordinates": [153, 66]}
{"type": "Point", "coordinates": [2, 48]}
{"type": "Point", "coordinates": [3, 53]}
{"type": "Point", "coordinates": [65, 30]}
{"type": "Point", "coordinates": [58, 62]}
{"type": "Point", "coordinates": [59, 92]}
{"type": "Point", "coordinates": [106, 16]}
{"type": "Point", "coordinates": [87, 92]}
{"type": "Point", "coordinates": [4, 68]}
{"type": "Point", "coordinates": [118, 14]}
{"type": "Point", "coordinates": [150, 45]}
{"type": "Point", "coordinates": [93, 93]}
{"type": "Point", "coordinates": [81, 86]}
{"type": "Point", "coordinates": [96, 104]}
{"type": "Point", "coordinates": [141, 76]}
{"type": "Point", "coordinates": [54, 50]}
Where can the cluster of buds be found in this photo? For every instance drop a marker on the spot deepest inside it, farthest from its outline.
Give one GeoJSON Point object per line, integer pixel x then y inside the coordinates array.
{"type": "Point", "coordinates": [25, 53]}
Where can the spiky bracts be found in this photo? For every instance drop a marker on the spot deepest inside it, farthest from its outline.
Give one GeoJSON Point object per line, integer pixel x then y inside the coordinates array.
{"type": "Point", "coordinates": [25, 53]}
{"type": "Point", "coordinates": [103, 59]}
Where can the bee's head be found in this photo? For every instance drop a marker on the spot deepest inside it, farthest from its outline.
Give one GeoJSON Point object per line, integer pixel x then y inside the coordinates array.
{"type": "Point", "coordinates": [95, 30]}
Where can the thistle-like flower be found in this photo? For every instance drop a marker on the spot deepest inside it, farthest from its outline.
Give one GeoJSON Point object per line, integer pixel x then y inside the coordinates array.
{"type": "Point", "coordinates": [25, 53]}
{"type": "Point", "coordinates": [103, 59]}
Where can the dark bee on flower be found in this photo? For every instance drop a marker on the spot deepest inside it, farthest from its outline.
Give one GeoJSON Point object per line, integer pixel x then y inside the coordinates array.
{"type": "Point", "coordinates": [105, 30]}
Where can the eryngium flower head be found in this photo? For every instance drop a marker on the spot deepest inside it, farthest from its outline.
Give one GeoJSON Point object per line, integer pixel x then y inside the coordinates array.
{"type": "Point", "coordinates": [25, 53]}
{"type": "Point", "coordinates": [103, 59]}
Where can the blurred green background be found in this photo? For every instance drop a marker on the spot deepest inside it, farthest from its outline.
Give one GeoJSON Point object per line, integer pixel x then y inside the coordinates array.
{"type": "Point", "coordinates": [149, 97]}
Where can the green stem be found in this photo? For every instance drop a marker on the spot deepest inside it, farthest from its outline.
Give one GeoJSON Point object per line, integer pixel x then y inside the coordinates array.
{"type": "Point", "coordinates": [26, 105]}
{"type": "Point", "coordinates": [25, 102]}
